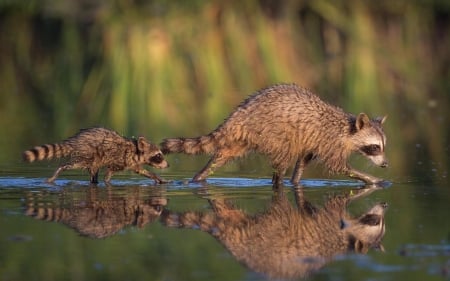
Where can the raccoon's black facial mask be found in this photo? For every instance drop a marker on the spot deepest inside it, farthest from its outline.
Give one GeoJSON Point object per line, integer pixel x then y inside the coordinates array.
{"type": "Point", "coordinates": [372, 150]}
{"type": "Point", "coordinates": [371, 219]}
{"type": "Point", "coordinates": [158, 158]}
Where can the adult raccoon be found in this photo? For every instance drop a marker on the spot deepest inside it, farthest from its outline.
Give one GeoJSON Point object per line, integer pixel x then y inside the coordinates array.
{"type": "Point", "coordinates": [289, 124]}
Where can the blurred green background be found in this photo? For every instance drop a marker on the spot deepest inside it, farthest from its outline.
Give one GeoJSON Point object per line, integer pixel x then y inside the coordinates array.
{"type": "Point", "coordinates": [178, 68]}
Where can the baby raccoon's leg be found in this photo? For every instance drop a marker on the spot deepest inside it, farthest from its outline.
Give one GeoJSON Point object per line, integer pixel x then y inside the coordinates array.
{"type": "Point", "coordinates": [67, 166]}
{"type": "Point", "coordinates": [94, 178]}
{"type": "Point", "coordinates": [300, 165]}
{"type": "Point", "coordinates": [108, 174]}
{"type": "Point", "coordinates": [93, 175]}
{"type": "Point", "coordinates": [57, 172]}
{"type": "Point", "coordinates": [145, 173]}
{"type": "Point", "coordinates": [218, 160]}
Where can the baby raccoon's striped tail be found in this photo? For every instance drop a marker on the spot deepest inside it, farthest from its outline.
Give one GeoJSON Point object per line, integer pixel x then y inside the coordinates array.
{"type": "Point", "coordinates": [204, 144]}
{"type": "Point", "coordinates": [46, 151]}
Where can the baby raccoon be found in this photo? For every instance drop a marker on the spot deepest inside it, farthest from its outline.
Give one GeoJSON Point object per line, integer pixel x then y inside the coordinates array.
{"type": "Point", "coordinates": [95, 148]}
{"type": "Point", "coordinates": [289, 124]}
{"type": "Point", "coordinates": [97, 212]}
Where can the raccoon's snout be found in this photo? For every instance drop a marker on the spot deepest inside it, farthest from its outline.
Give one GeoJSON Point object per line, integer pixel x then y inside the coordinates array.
{"type": "Point", "coordinates": [158, 161]}
{"type": "Point", "coordinates": [385, 164]}
{"type": "Point", "coordinates": [161, 165]}
{"type": "Point", "coordinates": [379, 209]}
{"type": "Point", "coordinates": [164, 164]}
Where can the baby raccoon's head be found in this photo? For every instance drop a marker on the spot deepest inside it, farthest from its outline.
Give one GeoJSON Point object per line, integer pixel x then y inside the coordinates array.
{"type": "Point", "coordinates": [150, 154]}
{"type": "Point", "coordinates": [367, 231]}
{"type": "Point", "coordinates": [368, 138]}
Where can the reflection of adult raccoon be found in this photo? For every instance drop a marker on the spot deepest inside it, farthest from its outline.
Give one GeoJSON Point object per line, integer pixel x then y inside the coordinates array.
{"type": "Point", "coordinates": [95, 148]}
{"type": "Point", "coordinates": [284, 241]}
{"type": "Point", "coordinates": [289, 124]}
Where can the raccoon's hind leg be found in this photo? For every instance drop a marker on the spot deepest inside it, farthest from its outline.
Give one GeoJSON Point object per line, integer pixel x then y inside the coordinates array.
{"type": "Point", "coordinates": [216, 161]}
{"type": "Point", "coordinates": [57, 172]}
{"type": "Point", "coordinates": [108, 174]}
{"type": "Point", "coordinates": [67, 166]}
{"type": "Point", "coordinates": [220, 158]}
{"type": "Point", "coordinates": [93, 175]}
{"type": "Point", "coordinates": [300, 165]}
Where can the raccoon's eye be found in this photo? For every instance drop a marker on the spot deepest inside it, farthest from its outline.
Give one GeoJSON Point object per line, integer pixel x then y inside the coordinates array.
{"type": "Point", "coordinates": [372, 149]}
{"type": "Point", "coordinates": [158, 158]}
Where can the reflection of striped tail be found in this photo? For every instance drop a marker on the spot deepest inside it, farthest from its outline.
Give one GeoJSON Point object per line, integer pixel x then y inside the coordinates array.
{"type": "Point", "coordinates": [204, 144]}
{"type": "Point", "coordinates": [46, 151]}
{"type": "Point", "coordinates": [45, 213]}
{"type": "Point", "coordinates": [195, 220]}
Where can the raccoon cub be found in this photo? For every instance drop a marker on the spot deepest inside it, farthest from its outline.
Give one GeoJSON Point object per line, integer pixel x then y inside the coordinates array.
{"type": "Point", "coordinates": [288, 124]}
{"type": "Point", "coordinates": [97, 212]}
{"type": "Point", "coordinates": [95, 148]}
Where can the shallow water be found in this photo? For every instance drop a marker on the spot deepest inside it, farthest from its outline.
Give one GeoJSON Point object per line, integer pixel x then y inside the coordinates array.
{"type": "Point", "coordinates": [72, 231]}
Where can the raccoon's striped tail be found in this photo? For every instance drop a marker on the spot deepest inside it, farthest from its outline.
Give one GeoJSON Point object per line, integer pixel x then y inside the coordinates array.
{"type": "Point", "coordinates": [46, 151]}
{"type": "Point", "coordinates": [194, 220]}
{"type": "Point", "coordinates": [204, 144]}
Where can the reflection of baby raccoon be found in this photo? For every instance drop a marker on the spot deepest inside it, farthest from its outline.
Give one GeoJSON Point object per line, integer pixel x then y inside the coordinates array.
{"type": "Point", "coordinates": [94, 216]}
{"type": "Point", "coordinates": [289, 124]}
{"type": "Point", "coordinates": [95, 148]}
{"type": "Point", "coordinates": [284, 241]}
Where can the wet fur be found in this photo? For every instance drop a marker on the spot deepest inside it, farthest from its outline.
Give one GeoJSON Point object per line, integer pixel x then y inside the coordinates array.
{"type": "Point", "coordinates": [284, 241]}
{"type": "Point", "coordinates": [288, 124]}
{"type": "Point", "coordinates": [95, 148]}
{"type": "Point", "coordinates": [97, 214]}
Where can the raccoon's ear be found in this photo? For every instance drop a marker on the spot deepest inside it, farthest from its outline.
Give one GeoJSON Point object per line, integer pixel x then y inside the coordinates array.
{"type": "Point", "coordinates": [380, 119]}
{"type": "Point", "coordinates": [141, 143]}
{"type": "Point", "coordinates": [361, 121]}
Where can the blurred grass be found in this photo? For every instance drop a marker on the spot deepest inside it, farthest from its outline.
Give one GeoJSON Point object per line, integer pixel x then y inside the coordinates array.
{"type": "Point", "coordinates": [178, 69]}
{"type": "Point", "coordinates": [175, 69]}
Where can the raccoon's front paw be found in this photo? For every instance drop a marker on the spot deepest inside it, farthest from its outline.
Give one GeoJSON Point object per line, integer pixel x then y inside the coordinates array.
{"type": "Point", "coordinates": [382, 183]}
{"type": "Point", "coordinates": [163, 181]}
{"type": "Point", "coordinates": [366, 178]}
{"type": "Point", "coordinates": [376, 182]}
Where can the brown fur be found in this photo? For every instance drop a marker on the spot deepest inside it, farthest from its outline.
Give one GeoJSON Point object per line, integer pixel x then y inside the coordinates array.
{"type": "Point", "coordinates": [96, 216]}
{"type": "Point", "coordinates": [95, 148]}
{"type": "Point", "coordinates": [288, 124]}
{"type": "Point", "coordinates": [284, 241]}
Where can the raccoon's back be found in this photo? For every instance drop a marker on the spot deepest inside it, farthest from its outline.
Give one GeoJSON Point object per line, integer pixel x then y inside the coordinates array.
{"type": "Point", "coordinates": [105, 144]}
{"type": "Point", "coordinates": [85, 144]}
{"type": "Point", "coordinates": [272, 118]}
{"type": "Point", "coordinates": [96, 137]}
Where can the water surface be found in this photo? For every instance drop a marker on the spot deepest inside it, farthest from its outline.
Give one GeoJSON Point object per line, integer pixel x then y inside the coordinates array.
{"type": "Point", "coordinates": [49, 231]}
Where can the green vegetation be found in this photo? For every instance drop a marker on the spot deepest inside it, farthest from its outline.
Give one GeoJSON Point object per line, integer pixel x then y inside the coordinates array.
{"type": "Point", "coordinates": [177, 68]}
